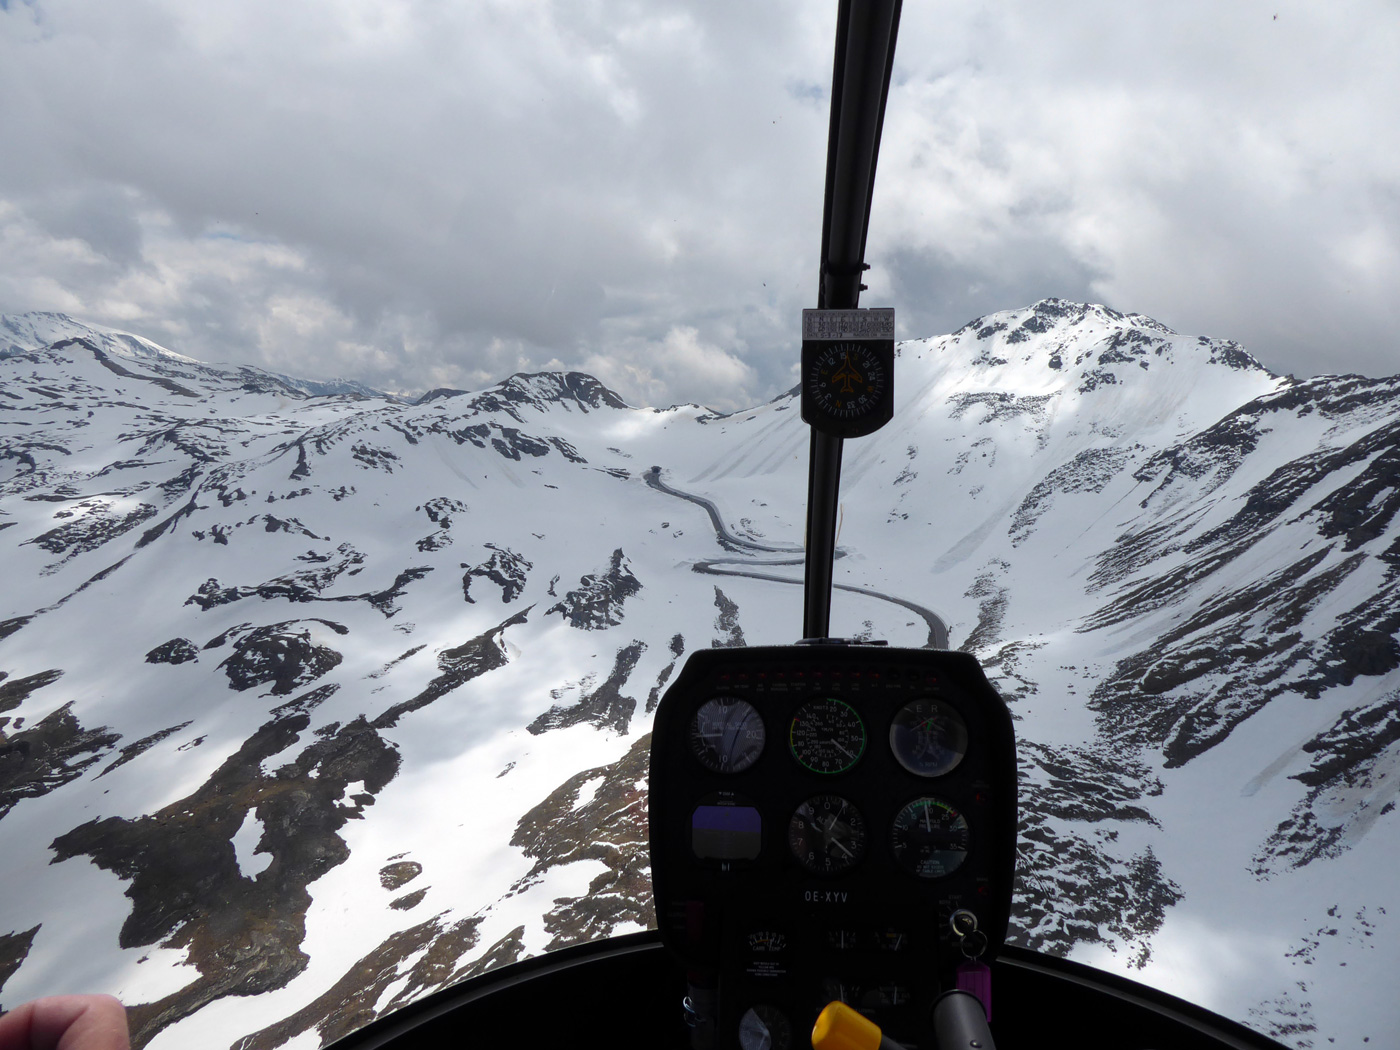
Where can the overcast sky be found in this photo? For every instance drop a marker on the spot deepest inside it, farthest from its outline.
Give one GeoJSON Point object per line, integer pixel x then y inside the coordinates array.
{"type": "Point", "coordinates": [419, 193]}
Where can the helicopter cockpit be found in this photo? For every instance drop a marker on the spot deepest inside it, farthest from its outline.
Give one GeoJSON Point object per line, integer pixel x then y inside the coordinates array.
{"type": "Point", "coordinates": [833, 824]}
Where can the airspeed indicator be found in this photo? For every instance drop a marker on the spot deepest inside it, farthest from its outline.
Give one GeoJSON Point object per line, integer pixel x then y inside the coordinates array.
{"type": "Point", "coordinates": [827, 736]}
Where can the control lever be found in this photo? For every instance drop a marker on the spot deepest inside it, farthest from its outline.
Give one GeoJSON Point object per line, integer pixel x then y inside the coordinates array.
{"type": "Point", "coordinates": [959, 1023]}
{"type": "Point", "coordinates": [839, 1027]}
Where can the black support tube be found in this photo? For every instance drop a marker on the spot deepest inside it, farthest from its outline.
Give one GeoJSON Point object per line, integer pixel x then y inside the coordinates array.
{"type": "Point", "coordinates": [860, 84]}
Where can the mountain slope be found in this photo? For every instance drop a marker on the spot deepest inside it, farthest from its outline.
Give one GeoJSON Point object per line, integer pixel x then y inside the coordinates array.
{"type": "Point", "coordinates": [347, 655]}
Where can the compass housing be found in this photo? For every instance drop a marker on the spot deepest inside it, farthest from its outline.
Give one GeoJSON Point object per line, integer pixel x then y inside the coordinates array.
{"type": "Point", "coordinates": [847, 370]}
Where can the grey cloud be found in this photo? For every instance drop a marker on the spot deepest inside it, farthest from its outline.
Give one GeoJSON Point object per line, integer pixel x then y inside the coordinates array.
{"type": "Point", "coordinates": [939, 294]}
{"type": "Point", "coordinates": [436, 194]}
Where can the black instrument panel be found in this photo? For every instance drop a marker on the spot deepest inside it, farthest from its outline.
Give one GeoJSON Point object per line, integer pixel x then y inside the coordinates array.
{"type": "Point", "coordinates": [818, 812]}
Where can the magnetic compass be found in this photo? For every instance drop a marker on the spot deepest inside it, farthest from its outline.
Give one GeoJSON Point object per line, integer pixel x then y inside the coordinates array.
{"type": "Point", "coordinates": [847, 386]}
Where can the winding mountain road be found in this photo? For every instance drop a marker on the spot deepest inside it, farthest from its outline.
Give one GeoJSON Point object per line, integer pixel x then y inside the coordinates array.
{"type": "Point", "coordinates": [937, 629]}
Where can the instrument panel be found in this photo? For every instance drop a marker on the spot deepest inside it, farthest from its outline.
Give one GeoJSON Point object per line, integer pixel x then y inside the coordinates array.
{"type": "Point", "coordinates": [818, 812]}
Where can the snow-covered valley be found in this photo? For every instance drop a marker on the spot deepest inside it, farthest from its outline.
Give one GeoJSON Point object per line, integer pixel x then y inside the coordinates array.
{"type": "Point", "coordinates": [314, 701]}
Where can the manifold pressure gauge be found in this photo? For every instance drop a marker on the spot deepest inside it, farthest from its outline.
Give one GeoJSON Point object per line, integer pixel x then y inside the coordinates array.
{"type": "Point", "coordinates": [847, 370]}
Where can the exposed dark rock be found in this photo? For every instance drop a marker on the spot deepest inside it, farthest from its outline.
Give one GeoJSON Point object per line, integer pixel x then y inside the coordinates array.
{"type": "Point", "coordinates": [991, 609]}
{"type": "Point", "coordinates": [281, 653]}
{"type": "Point", "coordinates": [374, 458]}
{"type": "Point", "coordinates": [727, 623]}
{"type": "Point", "coordinates": [1206, 460]}
{"type": "Point", "coordinates": [160, 529]}
{"type": "Point", "coordinates": [605, 707]}
{"type": "Point", "coordinates": [504, 952]}
{"type": "Point", "coordinates": [612, 828]}
{"type": "Point", "coordinates": [290, 526]}
{"type": "Point", "coordinates": [441, 508]}
{"type": "Point", "coordinates": [243, 934]}
{"type": "Point", "coordinates": [506, 569]}
{"type": "Point", "coordinates": [1352, 783]}
{"type": "Point", "coordinates": [305, 585]}
{"type": "Point", "coordinates": [654, 697]}
{"type": "Point", "coordinates": [1090, 471]}
{"type": "Point", "coordinates": [999, 405]}
{"type": "Point", "coordinates": [392, 876]}
{"type": "Point", "coordinates": [13, 693]}
{"type": "Point", "coordinates": [1193, 684]}
{"type": "Point", "coordinates": [349, 1004]}
{"type": "Point", "coordinates": [409, 901]}
{"type": "Point", "coordinates": [143, 745]}
{"type": "Point", "coordinates": [111, 366]}
{"type": "Point", "coordinates": [96, 526]}
{"type": "Point", "coordinates": [1072, 886]}
{"type": "Point", "coordinates": [175, 651]}
{"type": "Point", "coordinates": [386, 601]}
{"type": "Point", "coordinates": [597, 602]}
{"type": "Point", "coordinates": [537, 389]}
{"type": "Point", "coordinates": [308, 702]}
{"type": "Point", "coordinates": [434, 541]}
{"type": "Point", "coordinates": [396, 661]}
{"type": "Point", "coordinates": [513, 444]}
{"type": "Point", "coordinates": [438, 393]}
{"type": "Point", "coordinates": [48, 755]}
{"type": "Point", "coordinates": [458, 665]}
{"type": "Point", "coordinates": [567, 450]}
{"type": "Point", "coordinates": [14, 949]}
{"type": "Point", "coordinates": [13, 624]}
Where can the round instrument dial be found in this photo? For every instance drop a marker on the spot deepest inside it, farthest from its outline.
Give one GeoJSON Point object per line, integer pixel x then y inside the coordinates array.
{"type": "Point", "coordinates": [846, 380]}
{"type": "Point", "coordinates": [764, 1027]}
{"type": "Point", "coordinates": [928, 737]}
{"type": "Point", "coordinates": [930, 838]}
{"type": "Point", "coordinates": [827, 835]}
{"type": "Point", "coordinates": [827, 736]}
{"type": "Point", "coordinates": [726, 735]}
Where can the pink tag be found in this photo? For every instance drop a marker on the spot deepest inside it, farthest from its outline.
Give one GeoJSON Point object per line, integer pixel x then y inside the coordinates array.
{"type": "Point", "coordinates": [976, 977]}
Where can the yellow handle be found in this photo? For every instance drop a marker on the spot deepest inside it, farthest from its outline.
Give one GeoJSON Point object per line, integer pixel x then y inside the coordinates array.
{"type": "Point", "coordinates": [841, 1028]}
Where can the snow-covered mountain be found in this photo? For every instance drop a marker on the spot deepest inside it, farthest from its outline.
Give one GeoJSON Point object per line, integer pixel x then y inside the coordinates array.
{"type": "Point", "coordinates": [310, 704]}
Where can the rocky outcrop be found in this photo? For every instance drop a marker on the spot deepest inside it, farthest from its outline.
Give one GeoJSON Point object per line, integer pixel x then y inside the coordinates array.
{"type": "Point", "coordinates": [604, 707]}
{"type": "Point", "coordinates": [611, 827]}
{"type": "Point", "coordinates": [597, 602]}
{"type": "Point", "coordinates": [47, 755]}
{"type": "Point", "coordinates": [506, 569]}
{"type": "Point", "coordinates": [281, 653]}
{"type": "Point", "coordinates": [175, 651]}
{"type": "Point", "coordinates": [243, 935]}
{"type": "Point", "coordinates": [14, 948]}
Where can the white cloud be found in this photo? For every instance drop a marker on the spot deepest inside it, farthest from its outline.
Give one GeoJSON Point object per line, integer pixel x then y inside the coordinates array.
{"type": "Point", "coordinates": [646, 373]}
{"type": "Point", "coordinates": [453, 191]}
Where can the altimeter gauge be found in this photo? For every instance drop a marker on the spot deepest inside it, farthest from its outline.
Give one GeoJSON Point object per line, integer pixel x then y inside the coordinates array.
{"type": "Point", "coordinates": [827, 835]}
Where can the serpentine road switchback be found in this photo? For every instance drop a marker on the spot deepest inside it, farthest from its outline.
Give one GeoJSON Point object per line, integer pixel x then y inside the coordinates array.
{"type": "Point", "coordinates": [937, 629]}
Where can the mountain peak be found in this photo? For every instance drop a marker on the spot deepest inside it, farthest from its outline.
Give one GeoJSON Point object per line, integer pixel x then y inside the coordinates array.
{"type": "Point", "coordinates": [540, 388]}
{"type": "Point", "coordinates": [1064, 343]}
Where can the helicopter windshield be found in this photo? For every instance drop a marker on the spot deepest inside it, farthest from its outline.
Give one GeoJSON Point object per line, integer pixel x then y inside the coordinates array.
{"type": "Point", "coordinates": [316, 699]}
